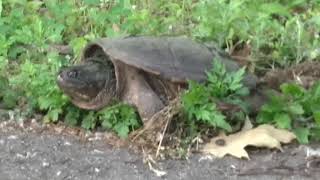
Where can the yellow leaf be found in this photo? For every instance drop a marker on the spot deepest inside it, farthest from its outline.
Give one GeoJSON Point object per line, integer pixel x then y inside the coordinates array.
{"type": "Point", "coordinates": [234, 144]}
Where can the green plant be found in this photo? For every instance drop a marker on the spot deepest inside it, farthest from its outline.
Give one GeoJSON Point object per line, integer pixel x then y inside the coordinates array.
{"type": "Point", "coordinates": [226, 85]}
{"type": "Point", "coordinates": [121, 118]}
{"type": "Point", "coordinates": [7, 95]}
{"type": "Point", "coordinates": [296, 109]}
{"type": "Point", "coordinates": [281, 31]}
{"type": "Point", "coordinates": [199, 101]}
{"type": "Point", "coordinates": [29, 31]}
{"type": "Point", "coordinates": [277, 31]}
{"type": "Point", "coordinates": [38, 83]}
{"type": "Point", "coordinates": [163, 17]}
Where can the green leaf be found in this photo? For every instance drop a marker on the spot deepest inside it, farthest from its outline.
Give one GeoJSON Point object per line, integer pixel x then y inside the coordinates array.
{"type": "Point", "coordinates": [292, 90]}
{"type": "Point", "coordinates": [44, 102]}
{"type": "Point", "coordinates": [203, 114]}
{"type": "Point", "coordinates": [316, 116]}
{"type": "Point", "coordinates": [315, 133]}
{"type": "Point", "coordinates": [121, 118]}
{"type": "Point", "coordinates": [220, 121]}
{"type": "Point", "coordinates": [283, 121]}
{"type": "Point", "coordinates": [10, 98]}
{"type": "Point", "coordinates": [89, 121]}
{"type": "Point", "coordinates": [72, 116]}
{"type": "Point", "coordinates": [198, 101]}
{"type": "Point", "coordinates": [13, 53]}
{"type": "Point", "coordinates": [265, 117]}
{"type": "Point", "coordinates": [272, 107]}
{"type": "Point", "coordinates": [302, 135]}
{"type": "Point", "coordinates": [236, 79]}
{"type": "Point", "coordinates": [78, 44]}
{"type": "Point", "coordinates": [315, 90]}
{"type": "Point", "coordinates": [296, 109]}
{"type": "Point", "coordinates": [122, 130]}
{"type": "Point", "coordinates": [223, 84]}
{"type": "Point", "coordinates": [53, 115]}
{"type": "Point", "coordinates": [4, 85]}
{"type": "Point", "coordinates": [106, 124]}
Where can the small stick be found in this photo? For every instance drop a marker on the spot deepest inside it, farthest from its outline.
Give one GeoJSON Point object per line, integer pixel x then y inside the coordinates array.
{"type": "Point", "coordinates": [162, 136]}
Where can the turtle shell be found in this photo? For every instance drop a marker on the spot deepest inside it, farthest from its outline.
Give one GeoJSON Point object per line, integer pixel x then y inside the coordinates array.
{"type": "Point", "coordinates": [177, 59]}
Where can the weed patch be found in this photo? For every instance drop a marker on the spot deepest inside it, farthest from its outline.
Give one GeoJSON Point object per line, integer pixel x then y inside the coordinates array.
{"type": "Point", "coordinates": [296, 109]}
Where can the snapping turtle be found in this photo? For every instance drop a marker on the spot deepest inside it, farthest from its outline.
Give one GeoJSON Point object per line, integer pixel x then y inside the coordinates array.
{"type": "Point", "coordinates": [146, 72]}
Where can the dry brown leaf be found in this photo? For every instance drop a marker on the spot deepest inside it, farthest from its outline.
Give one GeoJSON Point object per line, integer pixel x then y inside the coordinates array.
{"type": "Point", "coordinates": [234, 144]}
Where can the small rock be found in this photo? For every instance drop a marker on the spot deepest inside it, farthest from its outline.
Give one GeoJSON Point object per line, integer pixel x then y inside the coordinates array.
{"type": "Point", "coordinates": [26, 155]}
{"type": "Point", "coordinates": [45, 164]}
{"type": "Point", "coordinates": [96, 151]}
{"type": "Point", "coordinates": [67, 143]}
{"type": "Point", "coordinates": [20, 156]}
{"type": "Point", "coordinates": [97, 170]}
{"type": "Point", "coordinates": [58, 173]}
{"type": "Point", "coordinates": [310, 152]}
{"type": "Point", "coordinates": [13, 137]}
{"type": "Point", "coordinates": [206, 158]}
{"type": "Point", "coordinates": [96, 136]}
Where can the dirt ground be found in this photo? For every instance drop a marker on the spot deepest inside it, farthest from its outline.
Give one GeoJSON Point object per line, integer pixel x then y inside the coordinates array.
{"type": "Point", "coordinates": [26, 153]}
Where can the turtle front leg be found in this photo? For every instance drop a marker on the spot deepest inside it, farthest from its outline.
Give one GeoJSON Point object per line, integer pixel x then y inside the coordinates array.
{"type": "Point", "coordinates": [138, 93]}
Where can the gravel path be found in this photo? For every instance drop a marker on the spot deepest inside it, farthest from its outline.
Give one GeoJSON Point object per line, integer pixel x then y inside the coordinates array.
{"type": "Point", "coordinates": [28, 155]}
{"type": "Point", "coordinates": [34, 151]}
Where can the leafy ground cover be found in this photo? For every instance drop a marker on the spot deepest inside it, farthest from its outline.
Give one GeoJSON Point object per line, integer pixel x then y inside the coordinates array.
{"type": "Point", "coordinates": [39, 37]}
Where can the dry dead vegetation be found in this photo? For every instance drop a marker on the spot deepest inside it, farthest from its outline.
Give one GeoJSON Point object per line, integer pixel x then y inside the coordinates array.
{"type": "Point", "coordinates": [305, 74]}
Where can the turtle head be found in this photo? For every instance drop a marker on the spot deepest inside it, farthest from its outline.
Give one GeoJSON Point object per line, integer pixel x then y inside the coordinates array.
{"type": "Point", "coordinates": [91, 85]}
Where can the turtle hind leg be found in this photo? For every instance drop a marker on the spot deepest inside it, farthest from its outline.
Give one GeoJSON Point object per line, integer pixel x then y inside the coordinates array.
{"type": "Point", "coordinates": [137, 92]}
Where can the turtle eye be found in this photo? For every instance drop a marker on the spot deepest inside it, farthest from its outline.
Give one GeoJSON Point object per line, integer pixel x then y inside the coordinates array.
{"type": "Point", "coordinates": [72, 74]}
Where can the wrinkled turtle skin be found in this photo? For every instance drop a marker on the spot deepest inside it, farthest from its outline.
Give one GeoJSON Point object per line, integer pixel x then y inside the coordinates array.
{"type": "Point", "coordinates": [145, 72]}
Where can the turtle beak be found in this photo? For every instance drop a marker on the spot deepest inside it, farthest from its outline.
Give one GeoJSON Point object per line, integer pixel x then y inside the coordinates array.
{"type": "Point", "coordinates": [69, 84]}
{"type": "Point", "coordinates": [69, 78]}
{"type": "Point", "coordinates": [60, 79]}
{"type": "Point", "coordinates": [60, 76]}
